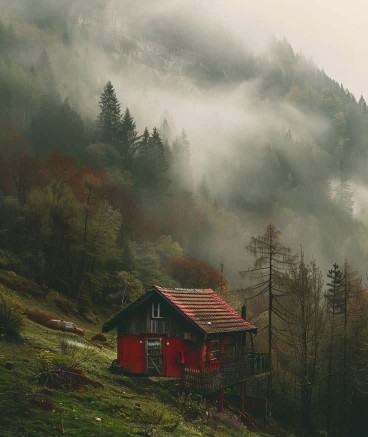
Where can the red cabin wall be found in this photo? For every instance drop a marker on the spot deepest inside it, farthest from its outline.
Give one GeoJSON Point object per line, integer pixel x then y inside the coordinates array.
{"type": "Point", "coordinates": [131, 353]}
{"type": "Point", "coordinates": [173, 356]}
{"type": "Point", "coordinates": [176, 354]}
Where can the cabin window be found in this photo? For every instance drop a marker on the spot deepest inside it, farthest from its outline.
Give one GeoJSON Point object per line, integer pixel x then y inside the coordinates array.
{"type": "Point", "coordinates": [215, 350]}
{"type": "Point", "coordinates": [158, 326]}
{"type": "Point", "coordinates": [156, 310]}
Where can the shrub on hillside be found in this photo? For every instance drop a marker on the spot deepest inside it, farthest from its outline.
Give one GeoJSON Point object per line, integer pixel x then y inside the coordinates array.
{"type": "Point", "coordinates": [62, 302]}
{"type": "Point", "coordinates": [65, 370]}
{"type": "Point", "coordinates": [80, 348]}
{"type": "Point", "coordinates": [11, 319]}
{"type": "Point", "coordinates": [99, 337]}
{"type": "Point", "coordinates": [9, 261]}
{"type": "Point", "coordinates": [38, 316]}
{"type": "Point", "coordinates": [14, 281]}
{"type": "Point", "coordinates": [191, 406]}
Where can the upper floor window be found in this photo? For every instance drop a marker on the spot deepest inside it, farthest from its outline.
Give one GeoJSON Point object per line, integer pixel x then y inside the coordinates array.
{"type": "Point", "coordinates": [156, 310]}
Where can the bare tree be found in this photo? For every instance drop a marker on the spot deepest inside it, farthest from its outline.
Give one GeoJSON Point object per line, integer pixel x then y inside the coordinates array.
{"type": "Point", "coordinates": [272, 261]}
{"type": "Point", "coordinates": [304, 322]}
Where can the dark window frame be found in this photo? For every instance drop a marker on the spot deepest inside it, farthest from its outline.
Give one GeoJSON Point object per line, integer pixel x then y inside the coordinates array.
{"type": "Point", "coordinates": [156, 310]}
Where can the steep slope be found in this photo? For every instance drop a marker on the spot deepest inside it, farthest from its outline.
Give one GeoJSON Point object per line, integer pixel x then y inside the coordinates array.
{"type": "Point", "coordinates": [108, 405]}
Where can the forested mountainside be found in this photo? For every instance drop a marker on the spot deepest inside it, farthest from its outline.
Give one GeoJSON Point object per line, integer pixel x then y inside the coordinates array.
{"type": "Point", "coordinates": [144, 144]}
{"type": "Point", "coordinates": [267, 136]}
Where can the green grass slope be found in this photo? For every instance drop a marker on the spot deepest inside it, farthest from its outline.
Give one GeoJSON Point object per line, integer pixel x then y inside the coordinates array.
{"type": "Point", "coordinates": [114, 405]}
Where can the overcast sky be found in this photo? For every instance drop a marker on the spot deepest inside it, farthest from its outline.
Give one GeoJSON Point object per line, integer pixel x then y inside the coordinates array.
{"type": "Point", "coordinates": [331, 32]}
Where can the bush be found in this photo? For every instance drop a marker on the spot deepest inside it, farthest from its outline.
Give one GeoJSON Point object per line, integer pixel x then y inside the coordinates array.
{"type": "Point", "coordinates": [191, 406]}
{"type": "Point", "coordinates": [99, 337]}
{"type": "Point", "coordinates": [38, 316]}
{"type": "Point", "coordinates": [49, 361]}
{"type": "Point", "coordinates": [63, 371]}
{"type": "Point", "coordinates": [9, 261]}
{"type": "Point", "coordinates": [11, 319]}
{"type": "Point", "coordinates": [80, 348]}
{"type": "Point", "coordinates": [13, 281]}
{"type": "Point", "coordinates": [62, 302]}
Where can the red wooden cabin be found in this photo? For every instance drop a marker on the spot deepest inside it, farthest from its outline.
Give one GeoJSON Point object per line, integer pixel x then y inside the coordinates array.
{"type": "Point", "coordinates": [184, 332]}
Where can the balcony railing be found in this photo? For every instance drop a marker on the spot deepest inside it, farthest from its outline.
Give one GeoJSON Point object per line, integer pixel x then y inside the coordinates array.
{"type": "Point", "coordinates": [228, 370]}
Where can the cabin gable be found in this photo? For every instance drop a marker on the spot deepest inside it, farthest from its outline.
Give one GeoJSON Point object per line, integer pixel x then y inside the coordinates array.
{"type": "Point", "coordinates": [156, 316]}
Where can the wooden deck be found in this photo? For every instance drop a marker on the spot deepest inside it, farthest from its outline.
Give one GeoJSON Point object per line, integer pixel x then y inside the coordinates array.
{"type": "Point", "coordinates": [229, 370]}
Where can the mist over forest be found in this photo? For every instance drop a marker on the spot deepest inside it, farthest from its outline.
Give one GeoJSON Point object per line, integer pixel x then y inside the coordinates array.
{"type": "Point", "coordinates": [154, 142]}
{"type": "Point", "coordinates": [272, 137]}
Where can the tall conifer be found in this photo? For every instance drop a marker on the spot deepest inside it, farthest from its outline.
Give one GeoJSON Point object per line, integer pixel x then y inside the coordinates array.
{"type": "Point", "coordinates": [109, 119]}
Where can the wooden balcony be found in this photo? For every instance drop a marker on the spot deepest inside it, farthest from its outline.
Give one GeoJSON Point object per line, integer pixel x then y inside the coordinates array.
{"type": "Point", "coordinates": [226, 371]}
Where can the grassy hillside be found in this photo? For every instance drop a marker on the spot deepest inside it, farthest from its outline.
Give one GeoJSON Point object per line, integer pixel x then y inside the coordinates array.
{"type": "Point", "coordinates": [113, 405]}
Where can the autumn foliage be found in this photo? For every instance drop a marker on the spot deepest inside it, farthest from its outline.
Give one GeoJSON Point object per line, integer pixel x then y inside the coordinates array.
{"type": "Point", "coordinates": [193, 273]}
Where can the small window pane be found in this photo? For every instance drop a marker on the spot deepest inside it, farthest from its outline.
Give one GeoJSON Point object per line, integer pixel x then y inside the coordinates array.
{"type": "Point", "coordinates": [156, 310]}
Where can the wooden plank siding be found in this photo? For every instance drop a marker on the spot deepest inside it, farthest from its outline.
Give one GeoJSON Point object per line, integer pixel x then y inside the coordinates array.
{"type": "Point", "coordinates": [141, 323]}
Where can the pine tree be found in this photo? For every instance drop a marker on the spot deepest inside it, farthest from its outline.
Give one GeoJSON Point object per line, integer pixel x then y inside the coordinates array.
{"type": "Point", "coordinates": [165, 133]}
{"type": "Point", "coordinates": [335, 300]}
{"type": "Point", "coordinates": [333, 295]}
{"type": "Point", "coordinates": [181, 167]}
{"type": "Point", "coordinates": [166, 139]}
{"type": "Point", "coordinates": [151, 165]}
{"type": "Point", "coordinates": [181, 148]}
{"type": "Point", "coordinates": [145, 139]}
{"type": "Point", "coordinates": [345, 314]}
{"type": "Point", "coordinates": [141, 167]}
{"type": "Point", "coordinates": [44, 69]}
{"type": "Point", "coordinates": [109, 119]}
{"type": "Point", "coordinates": [157, 161]}
{"type": "Point", "coordinates": [362, 103]}
{"type": "Point", "coordinates": [128, 138]}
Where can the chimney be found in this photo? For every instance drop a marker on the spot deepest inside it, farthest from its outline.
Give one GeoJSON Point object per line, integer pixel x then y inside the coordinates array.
{"type": "Point", "coordinates": [244, 312]}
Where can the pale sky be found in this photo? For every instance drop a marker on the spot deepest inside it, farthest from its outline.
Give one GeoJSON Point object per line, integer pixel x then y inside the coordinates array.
{"type": "Point", "coordinates": [334, 33]}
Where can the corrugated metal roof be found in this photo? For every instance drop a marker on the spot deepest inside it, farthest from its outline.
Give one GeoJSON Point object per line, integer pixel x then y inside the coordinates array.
{"type": "Point", "coordinates": [206, 309]}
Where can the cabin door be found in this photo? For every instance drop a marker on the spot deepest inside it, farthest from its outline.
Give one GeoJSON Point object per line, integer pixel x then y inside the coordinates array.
{"type": "Point", "coordinates": [154, 356]}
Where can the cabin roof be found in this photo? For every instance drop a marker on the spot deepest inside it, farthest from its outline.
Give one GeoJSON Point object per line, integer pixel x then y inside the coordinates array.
{"type": "Point", "coordinates": [201, 307]}
{"type": "Point", "coordinates": [206, 309]}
